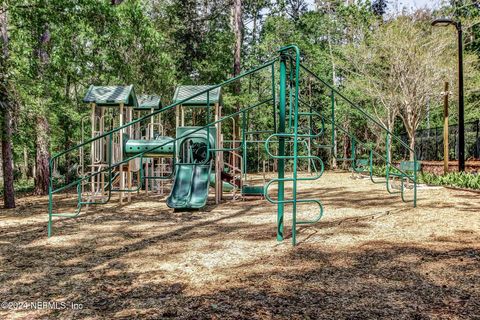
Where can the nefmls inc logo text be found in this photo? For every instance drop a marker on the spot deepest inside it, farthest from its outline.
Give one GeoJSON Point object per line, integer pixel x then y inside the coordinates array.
{"type": "Point", "coordinates": [40, 305]}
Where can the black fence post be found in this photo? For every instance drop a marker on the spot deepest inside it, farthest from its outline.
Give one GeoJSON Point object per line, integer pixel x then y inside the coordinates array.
{"type": "Point", "coordinates": [477, 140]}
{"type": "Point", "coordinates": [427, 151]}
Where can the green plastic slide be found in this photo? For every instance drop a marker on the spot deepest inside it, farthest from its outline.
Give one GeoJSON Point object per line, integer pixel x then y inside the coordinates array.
{"type": "Point", "coordinates": [190, 188]}
{"type": "Point", "coordinates": [226, 186]}
{"type": "Point", "coordinates": [115, 179]}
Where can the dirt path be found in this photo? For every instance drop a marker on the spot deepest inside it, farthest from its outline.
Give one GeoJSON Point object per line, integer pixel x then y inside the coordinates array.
{"type": "Point", "coordinates": [371, 256]}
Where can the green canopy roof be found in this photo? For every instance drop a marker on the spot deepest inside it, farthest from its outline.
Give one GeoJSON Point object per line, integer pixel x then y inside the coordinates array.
{"type": "Point", "coordinates": [184, 92]}
{"type": "Point", "coordinates": [111, 96]}
{"type": "Point", "coordinates": [148, 101]}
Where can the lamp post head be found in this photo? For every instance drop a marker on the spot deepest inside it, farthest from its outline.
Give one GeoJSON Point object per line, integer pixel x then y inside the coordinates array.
{"type": "Point", "coordinates": [443, 22]}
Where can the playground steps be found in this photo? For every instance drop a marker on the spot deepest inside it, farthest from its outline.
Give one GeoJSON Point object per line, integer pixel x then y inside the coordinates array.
{"type": "Point", "coordinates": [227, 177]}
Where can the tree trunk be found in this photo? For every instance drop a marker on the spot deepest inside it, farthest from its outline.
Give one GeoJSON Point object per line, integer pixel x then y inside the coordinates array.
{"type": "Point", "coordinates": [7, 159]}
{"type": "Point", "coordinates": [25, 163]}
{"type": "Point", "coordinates": [252, 45]}
{"type": "Point", "coordinates": [334, 82]}
{"type": "Point", "coordinates": [237, 55]}
{"type": "Point", "coordinates": [66, 127]}
{"type": "Point", "coordinates": [411, 136]}
{"type": "Point", "coordinates": [346, 148]}
{"type": "Point", "coordinates": [42, 157]}
{"type": "Point", "coordinates": [7, 116]}
{"type": "Point", "coordinates": [238, 31]}
{"type": "Point", "coordinates": [42, 130]}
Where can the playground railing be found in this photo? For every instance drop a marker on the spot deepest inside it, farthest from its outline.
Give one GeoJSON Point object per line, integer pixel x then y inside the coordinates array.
{"type": "Point", "coordinates": [335, 94]}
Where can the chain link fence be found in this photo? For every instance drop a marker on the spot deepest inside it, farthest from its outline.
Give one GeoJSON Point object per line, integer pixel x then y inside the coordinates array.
{"type": "Point", "coordinates": [429, 142]}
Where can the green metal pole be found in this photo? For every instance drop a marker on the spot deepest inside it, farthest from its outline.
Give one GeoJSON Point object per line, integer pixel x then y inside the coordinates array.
{"type": "Point", "coordinates": [295, 149]}
{"type": "Point", "coordinates": [208, 127]}
{"type": "Point", "coordinates": [50, 200]}
{"type": "Point", "coordinates": [387, 157]}
{"type": "Point", "coordinates": [414, 180]}
{"type": "Point", "coordinates": [281, 148]}
{"type": "Point", "coordinates": [311, 133]}
{"type": "Point", "coordinates": [290, 93]}
{"type": "Point", "coordinates": [332, 102]}
{"type": "Point", "coordinates": [244, 145]}
{"type": "Point", "coordinates": [274, 102]}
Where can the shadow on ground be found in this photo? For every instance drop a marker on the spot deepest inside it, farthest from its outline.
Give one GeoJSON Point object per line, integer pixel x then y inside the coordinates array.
{"type": "Point", "coordinates": [148, 262]}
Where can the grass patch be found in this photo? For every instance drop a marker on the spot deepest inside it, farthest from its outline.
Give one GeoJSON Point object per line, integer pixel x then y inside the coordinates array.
{"type": "Point", "coordinates": [451, 179]}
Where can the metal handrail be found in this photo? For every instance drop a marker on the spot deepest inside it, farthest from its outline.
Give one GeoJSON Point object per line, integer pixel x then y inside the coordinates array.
{"type": "Point", "coordinates": [169, 107]}
{"type": "Point", "coordinates": [337, 93]}
{"type": "Point", "coordinates": [389, 134]}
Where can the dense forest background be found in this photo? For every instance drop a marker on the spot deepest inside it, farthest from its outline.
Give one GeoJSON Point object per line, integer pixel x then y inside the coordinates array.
{"type": "Point", "coordinates": [52, 50]}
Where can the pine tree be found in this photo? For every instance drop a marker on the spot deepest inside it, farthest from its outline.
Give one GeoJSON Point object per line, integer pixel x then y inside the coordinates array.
{"type": "Point", "coordinates": [379, 7]}
{"type": "Point", "coordinates": [6, 109]}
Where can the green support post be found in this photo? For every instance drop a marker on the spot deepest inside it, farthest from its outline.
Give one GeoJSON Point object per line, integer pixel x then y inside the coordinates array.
{"type": "Point", "coordinates": [332, 102]}
{"type": "Point", "coordinates": [208, 121]}
{"type": "Point", "coordinates": [290, 99]}
{"type": "Point", "coordinates": [311, 133]}
{"type": "Point", "coordinates": [414, 179]}
{"type": "Point", "coordinates": [281, 148]}
{"type": "Point", "coordinates": [295, 148]}
{"type": "Point", "coordinates": [244, 145]}
{"type": "Point", "coordinates": [50, 200]}
{"type": "Point", "coordinates": [274, 103]}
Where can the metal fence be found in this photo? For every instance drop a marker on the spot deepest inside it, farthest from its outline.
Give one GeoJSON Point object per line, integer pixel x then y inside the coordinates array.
{"type": "Point", "coordinates": [429, 142]}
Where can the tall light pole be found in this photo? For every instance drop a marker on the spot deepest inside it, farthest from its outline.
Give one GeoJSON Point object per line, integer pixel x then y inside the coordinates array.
{"type": "Point", "coordinates": [461, 102]}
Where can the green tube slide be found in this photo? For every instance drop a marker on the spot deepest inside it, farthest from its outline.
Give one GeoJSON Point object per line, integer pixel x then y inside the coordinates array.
{"type": "Point", "coordinates": [115, 179]}
{"type": "Point", "coordinates": [226, 186]}
{"type": "Point", "coordinates": [134, 147]}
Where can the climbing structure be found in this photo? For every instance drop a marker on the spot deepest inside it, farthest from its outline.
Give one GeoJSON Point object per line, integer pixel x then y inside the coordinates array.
{"type": "Point", "coordinates": [212, 149]}
{"type": "Point", "coordinates": [158, 166]}
{"type": "Point", "coordinates": [111, 107]}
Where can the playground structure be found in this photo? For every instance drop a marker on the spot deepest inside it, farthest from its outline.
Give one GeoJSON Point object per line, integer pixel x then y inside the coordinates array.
{"type": "Point", "coordinates": [129, 139]}
{"type": "Point", "coordinates": [113, 106]}
{"type": "Point", "coordinates": [153, 166]}
{"type": "Point", "coordinates": [110, 107]}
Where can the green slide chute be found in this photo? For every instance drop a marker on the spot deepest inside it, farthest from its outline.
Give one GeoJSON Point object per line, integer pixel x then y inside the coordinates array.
{"type": "Point", "coordinates": [226, 186]}
{"type": "Point", "coordinates": [190, 188]}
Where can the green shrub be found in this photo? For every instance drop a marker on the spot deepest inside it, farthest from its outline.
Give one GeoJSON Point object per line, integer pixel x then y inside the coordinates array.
{"type": "Point", "coordinates": [453, 179]}
{"type": "Point", "coordinates": [379, 171]}
{"type": "Point", "coordinates": [21, 186]}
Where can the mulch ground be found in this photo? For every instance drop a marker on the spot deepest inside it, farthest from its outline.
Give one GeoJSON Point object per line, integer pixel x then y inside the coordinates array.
{"type": "Point", "coordinates": [370, 257]}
